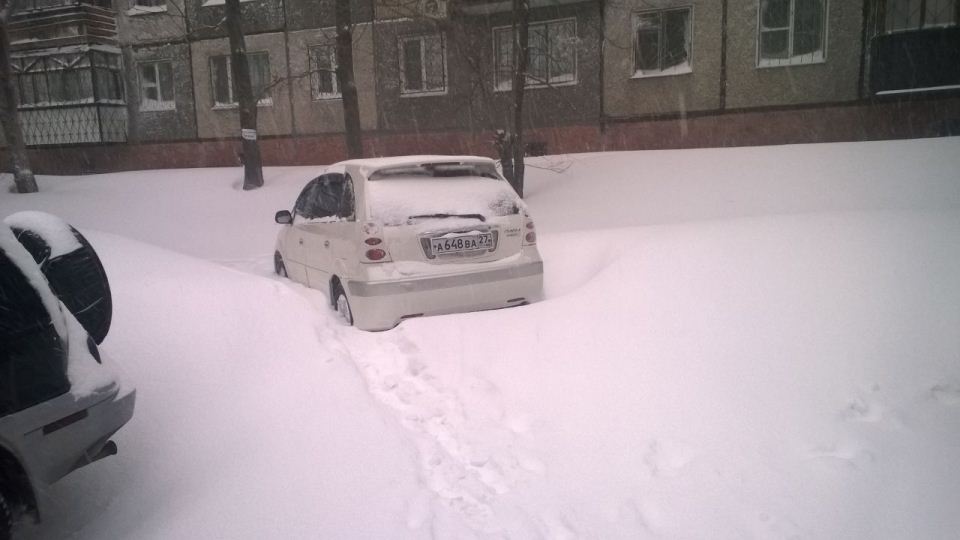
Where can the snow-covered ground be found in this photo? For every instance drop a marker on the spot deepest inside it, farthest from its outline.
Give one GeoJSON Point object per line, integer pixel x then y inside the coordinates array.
{"type": "Point", "coordinates": [735, 343]}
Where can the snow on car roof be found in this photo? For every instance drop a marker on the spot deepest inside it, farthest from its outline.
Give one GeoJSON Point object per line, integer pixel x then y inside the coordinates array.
{"type": "Point", "coordinates": [370, 165]}
{"type": "Point", "coordinates": [53, 230]}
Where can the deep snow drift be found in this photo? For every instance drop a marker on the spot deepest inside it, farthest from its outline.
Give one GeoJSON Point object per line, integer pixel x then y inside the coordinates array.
{"type": "Point", "coordinates": [756, 342]}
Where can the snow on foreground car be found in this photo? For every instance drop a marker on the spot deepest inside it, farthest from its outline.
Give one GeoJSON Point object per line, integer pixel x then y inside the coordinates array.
{"type": "Point", "coordinates": [394, 238]}
{"type": "Point", "coordinates": [59, 403]}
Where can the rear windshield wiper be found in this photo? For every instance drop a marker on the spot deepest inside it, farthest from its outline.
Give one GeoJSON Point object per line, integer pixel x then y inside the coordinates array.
{"type": "Point", "coordinates": [442, 216]}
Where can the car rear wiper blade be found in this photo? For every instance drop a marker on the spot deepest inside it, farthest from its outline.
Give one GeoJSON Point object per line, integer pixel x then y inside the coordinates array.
{"type": "Point", "coordinates": [442, 216]}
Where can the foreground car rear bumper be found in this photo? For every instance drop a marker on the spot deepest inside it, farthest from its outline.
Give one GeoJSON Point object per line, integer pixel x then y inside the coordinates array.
{"type": "Point", "coordinates": [67, 433]}
{"type": "Point", "coordinates": [381, 305]}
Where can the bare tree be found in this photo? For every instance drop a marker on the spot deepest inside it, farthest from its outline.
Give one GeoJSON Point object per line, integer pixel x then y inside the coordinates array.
{"type": "Point", "coordinates": [247, 101]}
{"type": "Point", "coordinates": [9, 116]}
{"type": "Point", "coordinates": [521, 56]}
{"type": "Point", "coordinates": [345, 79]}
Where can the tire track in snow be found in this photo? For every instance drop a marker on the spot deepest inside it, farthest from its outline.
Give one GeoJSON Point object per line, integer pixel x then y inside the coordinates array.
{"type": "Point", "coordinates": [469, 455]}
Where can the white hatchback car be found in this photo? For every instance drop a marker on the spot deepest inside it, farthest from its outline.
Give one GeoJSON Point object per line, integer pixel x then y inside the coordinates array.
{"type": "Point", "coordinates": [392, 238]}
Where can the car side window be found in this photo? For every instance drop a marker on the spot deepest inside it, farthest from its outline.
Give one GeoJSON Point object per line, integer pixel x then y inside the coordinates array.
{"type": "Point", "coordinates": [328, 195]}
{"type": "Point", "coordinates": [305, 206]}
{"type": "Point", "coordinates": [347, 199]}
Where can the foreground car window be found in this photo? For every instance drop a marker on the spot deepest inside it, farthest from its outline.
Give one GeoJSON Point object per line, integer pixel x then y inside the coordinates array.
{"type": "Point", "coordinates": [32, 356]}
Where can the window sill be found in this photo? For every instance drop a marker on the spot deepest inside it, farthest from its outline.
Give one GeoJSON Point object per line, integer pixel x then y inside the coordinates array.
{"type": "Point", "coordinates": [669, 72]}
{"type": "Point", "coordinates": [537, 86]}
{"type": "Point", "coordinates": [423, 94]}
{"type": "Point", "coordinates": [330, 97]}
{"type": "Point", "coordinates": [209, 3]}
{"type": "Point", "coordinates": [803, 60]}
{"type": "Point", "coordinates": [137, 11]}
{"type": "Point", "coordinates": [158, 108]}
{"type": "Point", "coordinates": [232, 106]}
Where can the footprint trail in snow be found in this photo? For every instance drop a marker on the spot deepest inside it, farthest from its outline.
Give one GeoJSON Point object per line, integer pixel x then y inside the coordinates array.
{"type": "Point", "coordinates": [470, 453]}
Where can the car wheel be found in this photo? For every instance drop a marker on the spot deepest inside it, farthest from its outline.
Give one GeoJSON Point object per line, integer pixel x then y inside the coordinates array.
{"type": "Point", "coordinates": [6, 518]}
{"type": "Point", "coordinates": [76, 277]}
{"type": "Point", "coordinates": [278, 265]}
{"type": "Point", "coordinates": [343, 307]}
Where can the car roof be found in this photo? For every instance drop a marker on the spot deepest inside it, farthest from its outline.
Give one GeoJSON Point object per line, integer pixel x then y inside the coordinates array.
{"type": "Point", "coordinates": [370, 165]}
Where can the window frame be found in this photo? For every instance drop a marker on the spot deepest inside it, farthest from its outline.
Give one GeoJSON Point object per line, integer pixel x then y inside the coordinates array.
{"type": "Point", "coordinates": [498, 87]}
{"type": "Point", "coordinates": [669, 72]}
{"type": "Point", "coordinates": [315, 93]}
{"type": "Point", "coordinates": [791, 60]}
{"type": "Point", "coordinates": [884, 5]}
{"type": "Point", "coordinates": [266, 101]}
{"type": "Point", "coordinates": [401, 44]}
{"type": "Point", "coordinates": [164, 104]}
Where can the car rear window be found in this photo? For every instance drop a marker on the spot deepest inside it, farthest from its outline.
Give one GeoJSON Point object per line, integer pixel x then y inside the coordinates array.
{"type": "Point", "coordinates": [438, 170]}
{"type": "Point", "coordinates": [32, 355]}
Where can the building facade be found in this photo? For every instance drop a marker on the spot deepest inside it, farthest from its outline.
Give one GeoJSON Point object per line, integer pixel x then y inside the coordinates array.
{"type": "Point", "coordinates": [112, 86]}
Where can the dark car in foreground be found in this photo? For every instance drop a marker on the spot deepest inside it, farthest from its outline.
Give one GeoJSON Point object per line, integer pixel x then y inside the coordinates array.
{"type": "Point", "coordinates": [60, 401]}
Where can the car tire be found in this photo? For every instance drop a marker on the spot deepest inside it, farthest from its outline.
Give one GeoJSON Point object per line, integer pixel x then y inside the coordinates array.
{"type": "Point", "coordinates": [6, 518]}
{"type": "Point", "coordinates": [342, 305]}
{"type": "Point", "coordinates": [77, 278]}
{"type": "Point", "coordinates": [278, 266]}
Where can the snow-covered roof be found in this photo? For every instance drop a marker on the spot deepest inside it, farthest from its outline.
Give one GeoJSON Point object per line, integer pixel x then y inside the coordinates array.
{"type": "Point", "coordinates": [370, 165]}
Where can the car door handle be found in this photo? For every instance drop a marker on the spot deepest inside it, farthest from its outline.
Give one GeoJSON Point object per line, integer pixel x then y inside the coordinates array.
{"type": "Point", "coordinates": [301, 241]}
{"type": "Point", "coordinates": [326, 243]}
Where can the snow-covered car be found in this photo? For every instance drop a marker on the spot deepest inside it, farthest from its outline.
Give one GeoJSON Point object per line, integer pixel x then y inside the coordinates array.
{"type": "Point", "coordinates": [393, 238]}
{"type": "Point", "coordinates": [60, 401]}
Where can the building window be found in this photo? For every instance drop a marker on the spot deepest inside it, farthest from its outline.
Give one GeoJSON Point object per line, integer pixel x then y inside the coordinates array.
{"type": "Point", "coordinates": [323, 76]}
{"type": "Point", "coordinates": [552, 54]}
{"type": "Point", "coordinates": [156, 86]}
{"type": "Point", "coordinates": [148, 4]}
{"type": "Point", "coordinates": [224, 91]}
{"type": "Point", "coordinates": [791, 32]}
{"type": "Point", "coordinates": [662, 44]}
{"type": "Point", "coordinates": [905, 15]}
{"type": "Point", "coordinates": [68, 79]}
{"type": "Point", "coordinates": [422, 65]}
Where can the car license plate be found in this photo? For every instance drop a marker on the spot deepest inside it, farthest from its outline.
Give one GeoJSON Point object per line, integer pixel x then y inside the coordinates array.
{"type": "Point", "coordinates": [461, 243]}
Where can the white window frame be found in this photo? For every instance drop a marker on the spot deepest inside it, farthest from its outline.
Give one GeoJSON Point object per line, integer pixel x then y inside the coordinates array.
{"type": "Point", "coordinates": [233, 104]}
{"type": "Point", "coordinates": [508, 86]}
{"type": "Point", "coordinates": [671, 71]}
{"type": "Point", "coordinates": [792, 60]}
{"type": "Point", "coordinates": [137, 9]}
{"type": "Point", "coordinates": [402, 40]}
{"type": "Point", "coordinates": [315, 93]}
{"type": "Point", "coordinates": [162, 104]}
{"type": "Point", "coordinates": [923, 25]}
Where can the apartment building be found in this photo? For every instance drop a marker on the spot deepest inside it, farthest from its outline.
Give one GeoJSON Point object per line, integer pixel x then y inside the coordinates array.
{"type": "Point", "coordinates": [155, 76]}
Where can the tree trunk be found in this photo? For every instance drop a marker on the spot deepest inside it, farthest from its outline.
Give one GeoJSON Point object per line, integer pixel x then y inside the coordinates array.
{"type": "Point", "coordinates": [521, 56]}
{"type": "Point", "coordinates": [247, 101]}
{"type": "Point", "coordinates": [345, 80]}
{"type": "Point", "coordinates": [9, 116]}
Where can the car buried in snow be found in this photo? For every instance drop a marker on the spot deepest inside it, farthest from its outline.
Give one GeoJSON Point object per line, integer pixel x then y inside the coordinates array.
{"type": "Point", "coordinates": [60, 401]}
{"type": "Point", "coordinates": [388, 239]}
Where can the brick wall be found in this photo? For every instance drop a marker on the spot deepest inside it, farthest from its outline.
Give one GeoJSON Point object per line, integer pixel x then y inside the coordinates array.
{"type": "Point", "coordinates": [849, 122]}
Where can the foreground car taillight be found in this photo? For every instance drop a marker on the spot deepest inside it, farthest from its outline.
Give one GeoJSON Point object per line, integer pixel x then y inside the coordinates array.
{"type": "Point", "coordinates": [373, 236]}
{"type": "Point", "coordinates": [529, 231]}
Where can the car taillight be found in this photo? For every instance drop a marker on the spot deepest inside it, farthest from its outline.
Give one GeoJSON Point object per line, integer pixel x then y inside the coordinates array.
{"type": "Point", "coordinates": [373, 236]}
{"type": "Point", "coordinates": [376, 254]}
{"type": "Point", "coordinates": [530, 238]}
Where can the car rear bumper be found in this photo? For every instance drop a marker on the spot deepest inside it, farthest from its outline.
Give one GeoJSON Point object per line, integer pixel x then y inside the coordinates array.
{"type": "Point", "coordinates": [381, 305]}
{"type": "Point", "coordinates": [69, 433]}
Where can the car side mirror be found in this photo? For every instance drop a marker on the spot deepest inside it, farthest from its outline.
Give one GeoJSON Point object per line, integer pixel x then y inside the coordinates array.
{"type": "Point", "coordinates": [283, 217]}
